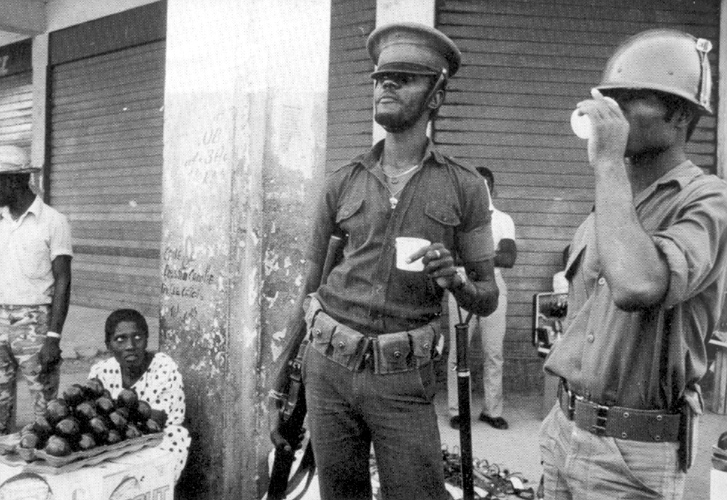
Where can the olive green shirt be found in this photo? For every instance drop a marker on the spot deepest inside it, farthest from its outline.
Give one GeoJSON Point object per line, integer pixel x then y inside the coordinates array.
{"type": "Point", "coordinates": [645, 359]}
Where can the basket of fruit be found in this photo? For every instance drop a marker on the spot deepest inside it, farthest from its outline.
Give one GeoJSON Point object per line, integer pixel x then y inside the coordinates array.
{"type": "Point", "coordinates": [87, 426]}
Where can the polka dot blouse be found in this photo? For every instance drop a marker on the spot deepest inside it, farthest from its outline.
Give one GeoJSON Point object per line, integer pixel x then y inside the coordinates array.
{"type": "Point", "coordinates": [161, 386]}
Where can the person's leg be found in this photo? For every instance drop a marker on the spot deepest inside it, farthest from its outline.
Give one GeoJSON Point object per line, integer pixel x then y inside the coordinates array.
{"type": "Point", "coordinates": [400, 412]}
{"type": "Point", "coordinates": [554, 452]}
{"type": "Point", "coordinates": [578, 464]}
{"type": "Point", "coordinates": [27, 340]}
{"type": "Point", "coordinates": [640, 470]}
{"type": "Point", "coordinates": [493, 336]}
{"type": "Point", "coordinates": [8, 369]}
{"type": "Point", "coordinates": [341, 441]}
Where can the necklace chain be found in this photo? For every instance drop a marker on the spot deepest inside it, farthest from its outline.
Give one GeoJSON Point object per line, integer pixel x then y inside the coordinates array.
{"type": "Point", "coordinates": [394, 179]}
{"type": "Point", "coordinates": [407, 171]}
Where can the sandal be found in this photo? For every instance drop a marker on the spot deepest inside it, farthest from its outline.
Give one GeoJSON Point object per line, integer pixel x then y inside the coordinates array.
{"type": "Point", "coordinates": [517, 483]}
{"type": "Point", "coordinates": [485, 483]}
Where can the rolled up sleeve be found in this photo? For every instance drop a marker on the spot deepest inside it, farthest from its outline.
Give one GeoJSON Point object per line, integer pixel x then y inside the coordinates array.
{"type": "Point", "coordinates": [694, 246]}
{"type": "Point", "coordinates": [477, 245]}
{"type": "Point", "coordinates": [475, 239]}
{"type": "Point", "coordinates": [678, 271]}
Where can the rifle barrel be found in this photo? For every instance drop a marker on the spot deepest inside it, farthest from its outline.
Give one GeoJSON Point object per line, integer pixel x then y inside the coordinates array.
{"type": "Point", "coordinates": [465, 419]}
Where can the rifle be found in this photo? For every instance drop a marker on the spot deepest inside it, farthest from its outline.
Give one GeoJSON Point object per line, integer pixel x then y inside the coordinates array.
{"type": "Point", "coordinates": [293, 410]}
{"type": "Point", "coordinates": [463, 397]}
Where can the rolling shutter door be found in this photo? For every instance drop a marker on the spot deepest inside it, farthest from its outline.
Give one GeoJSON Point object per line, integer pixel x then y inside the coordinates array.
{"type": "Point", "coordinates": [525, 66]}
{"type": "Point", "coordinates": [106, 175]}
{"type": "Point", "coordinates": [16, 109]}
{"type": "Point", "coordinates": [349, 88]}
{"type": "Point", "coordinates": [16, 94]}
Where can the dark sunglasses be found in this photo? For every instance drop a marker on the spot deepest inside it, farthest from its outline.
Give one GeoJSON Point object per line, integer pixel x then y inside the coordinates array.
{"type": "Point", "coordinates": [399, 79]}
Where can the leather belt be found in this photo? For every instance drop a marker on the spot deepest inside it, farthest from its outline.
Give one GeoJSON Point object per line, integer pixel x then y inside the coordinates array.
{"type": "Point", "coordinates": [618, 422]}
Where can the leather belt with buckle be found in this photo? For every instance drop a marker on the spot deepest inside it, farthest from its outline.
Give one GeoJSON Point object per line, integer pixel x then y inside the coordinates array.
{"type": "Point", "coordinates": [619, 422]}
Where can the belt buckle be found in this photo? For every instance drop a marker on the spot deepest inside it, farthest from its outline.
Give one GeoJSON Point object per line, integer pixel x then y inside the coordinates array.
{"type": "Point", "coordinates": [599, 427]}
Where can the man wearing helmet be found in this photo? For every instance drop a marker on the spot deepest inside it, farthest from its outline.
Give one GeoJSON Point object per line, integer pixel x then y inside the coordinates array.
{"type": "Point", "coordinates": [35, 286]}
{"type": "Point", "coordinates": [374, 327]}
{"type": "Point", "coordinates": [647, 280]}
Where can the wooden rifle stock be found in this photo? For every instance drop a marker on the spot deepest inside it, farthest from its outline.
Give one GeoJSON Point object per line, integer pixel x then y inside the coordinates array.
{"type": "Point", "coordinates": [293, 411]}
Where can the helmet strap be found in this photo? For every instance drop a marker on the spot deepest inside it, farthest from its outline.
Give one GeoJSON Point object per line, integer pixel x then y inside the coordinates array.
{"type": "Point", "coordinates": [705, 86]}
{"type": "Point", "coordinates": [441, 79]}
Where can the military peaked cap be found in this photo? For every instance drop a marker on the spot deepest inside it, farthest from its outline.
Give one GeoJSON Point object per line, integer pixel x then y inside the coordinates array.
{"type": "Point", "coordinates": [412, 48]}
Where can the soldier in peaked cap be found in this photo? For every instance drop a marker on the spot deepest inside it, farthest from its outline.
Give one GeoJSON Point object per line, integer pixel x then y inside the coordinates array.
{"type": "Point", "coordinates": [35, 287]}
{"type": "Point", "coordinates": [374, 327]}
{"type": "Point", "coordinates": [646, 272]}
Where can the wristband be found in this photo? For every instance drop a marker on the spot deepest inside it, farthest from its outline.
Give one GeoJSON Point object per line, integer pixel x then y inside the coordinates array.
{"type": "Point", "coordinates": [53, 335]}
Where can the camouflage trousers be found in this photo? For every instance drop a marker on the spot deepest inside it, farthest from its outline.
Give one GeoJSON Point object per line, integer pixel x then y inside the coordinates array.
{"type": "Point", "coordinates": [22, 334]}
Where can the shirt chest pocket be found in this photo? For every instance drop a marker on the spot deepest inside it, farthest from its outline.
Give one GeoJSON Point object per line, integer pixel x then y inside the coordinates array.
{"type": "Point", "coordinates": [441, 220]}
{"type": "Point", "coordinates": [33, 253]}
{"type": "Point", "coordinates": [351, 218]}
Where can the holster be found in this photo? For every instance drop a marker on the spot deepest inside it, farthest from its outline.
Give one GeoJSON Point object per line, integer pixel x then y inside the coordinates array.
{"type": "Point", "coordinates": [691, 407]}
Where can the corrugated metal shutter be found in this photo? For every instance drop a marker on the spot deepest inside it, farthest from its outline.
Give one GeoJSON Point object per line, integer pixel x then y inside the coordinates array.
{"type": "Point", "coordinates": [106, 175]}
{"type": "Point", "coordinates": [16, 109]}
{"type": "Point", "coordinates": [349, 92]}
{"type": "Point", "coordinates": [16, 93]}
{"type": "Point", "coordinates": [525, 65]}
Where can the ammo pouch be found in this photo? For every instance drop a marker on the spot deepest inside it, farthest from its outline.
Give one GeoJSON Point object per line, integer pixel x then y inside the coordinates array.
{"type": "Point", "coordinates": [385, 353]}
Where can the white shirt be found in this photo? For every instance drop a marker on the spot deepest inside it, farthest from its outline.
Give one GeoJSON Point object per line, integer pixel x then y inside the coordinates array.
{"type": "Point", "coordinates": [560, 283]}
{"type": "Point", "coordinates": [503, 228]}
{"type": "Point", "coordinates": [27, 249]}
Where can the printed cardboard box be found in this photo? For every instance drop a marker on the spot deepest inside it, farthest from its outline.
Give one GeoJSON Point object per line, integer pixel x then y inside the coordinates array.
{"type": "Point", "coordinates": [144, 475]}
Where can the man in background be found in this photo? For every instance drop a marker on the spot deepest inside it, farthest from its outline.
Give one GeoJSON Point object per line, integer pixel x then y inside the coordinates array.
{"type": "Point", "coordinates": [491, 329]}
{"type": "Point", "coordinates": [35, 287]}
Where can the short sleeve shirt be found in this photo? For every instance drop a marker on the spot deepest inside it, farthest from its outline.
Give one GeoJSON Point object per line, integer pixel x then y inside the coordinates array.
{"type": "Point", "coordinates": [503, 228]}
{"type": "Point", "coordinates": [443, 202]}
{"type": "Point", "coordinates": [646, 358]}
{"type": "Point", "coordinates": [27, 249]}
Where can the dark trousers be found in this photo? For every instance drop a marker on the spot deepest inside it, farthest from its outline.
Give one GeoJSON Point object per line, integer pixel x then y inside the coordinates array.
{"type": "Point", "coordinates": [350, 410]}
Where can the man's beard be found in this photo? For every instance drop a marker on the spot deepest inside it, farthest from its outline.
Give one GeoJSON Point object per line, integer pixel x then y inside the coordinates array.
{"type": "Point", "coordinates": [646, 155]}
{"type": "Point", "coordinates": [398, 122]}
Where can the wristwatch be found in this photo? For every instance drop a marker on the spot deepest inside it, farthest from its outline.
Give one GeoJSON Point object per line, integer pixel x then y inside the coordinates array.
{"type": "Point", "coordinates": [458, 283]}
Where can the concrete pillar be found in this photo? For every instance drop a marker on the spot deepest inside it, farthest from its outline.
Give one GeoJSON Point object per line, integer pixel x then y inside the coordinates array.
{"type": "Point", "coordinates": [722, 93]}
{"type": "Point", "coordinates": [38, 154]}
{"type": "Point", "coordinates": [244, 135]}
{"type": "Point", "coordinates": [391, 11]}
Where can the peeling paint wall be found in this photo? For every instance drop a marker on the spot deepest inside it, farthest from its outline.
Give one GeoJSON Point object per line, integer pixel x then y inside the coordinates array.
{"type": "Point", "coordinates": [196, 272]}
{"type": "Point", "coordinates": [212, 234]}
{"type": "Point", "coordinates": [292, 181]}
{"type": "Point", "coordinates": [244, 142]}
{"type": "Point", "coordinates": [294, 164]}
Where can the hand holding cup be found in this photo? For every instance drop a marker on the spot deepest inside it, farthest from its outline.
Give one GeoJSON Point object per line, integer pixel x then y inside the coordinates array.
{"type": "Point", "coordinates": [580, 122]}
{"type": "Point", "coordinates": [435, 260]}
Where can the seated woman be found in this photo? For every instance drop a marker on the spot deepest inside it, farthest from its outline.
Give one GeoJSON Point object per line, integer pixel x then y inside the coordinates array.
{"type": "Point", "coordinates": [154, 377]}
